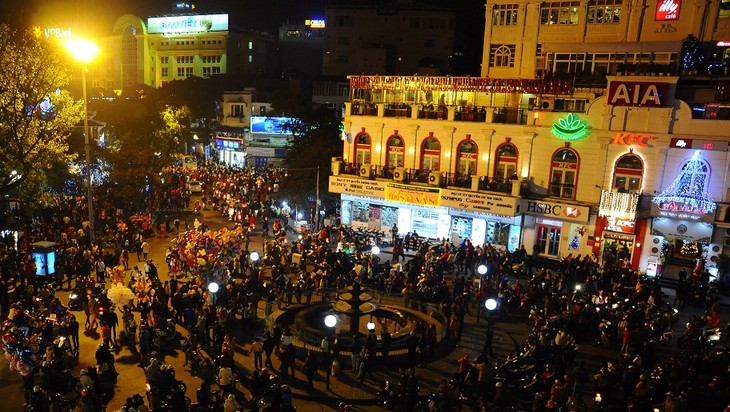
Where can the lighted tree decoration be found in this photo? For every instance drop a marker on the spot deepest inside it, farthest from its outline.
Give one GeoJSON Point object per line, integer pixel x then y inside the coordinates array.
{"type": "Point", "coordinates": [692, 57]}
{"type": "Point", "coordinates": [689, 248]}
{"type": "Point", "coordinates": [574, 243]}
{"type": "Point", "coordinates": [688, 192]}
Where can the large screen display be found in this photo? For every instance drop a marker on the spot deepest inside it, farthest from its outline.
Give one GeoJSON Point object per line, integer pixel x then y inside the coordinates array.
{"type": "Point", "coordinates": [271, 125]}
{"type": "Point", "coordinates": [187, 24]}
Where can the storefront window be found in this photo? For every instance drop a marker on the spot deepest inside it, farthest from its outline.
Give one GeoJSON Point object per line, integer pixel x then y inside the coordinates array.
{"type": "Point", "coordinates": [497, 233]}
{"type": "Point", "coordinates": [360, 212]}
{"type": "Point", "coordinates": [396, 152]}
{"type": "Point", "coordinates": [467, 158]}
{"type": "Point", "coordinates": [462, 227]}
{"type": "Point", "coordinates": [505, 165]}
{"type": "Point", "coordinates": [548, 240]}
{"type": "Point", "coordinates": [628, 173]}
{"type": "Point", "coordinates": [425, 223]}
{"type": "Point", "coordinates": [430, 154]}
{"type": "Point", "coordinates": [362, 148]}
{"type": "Point", "coordinates": [564, 173]}
{"type": "Point", "coordinates": [388, 216]}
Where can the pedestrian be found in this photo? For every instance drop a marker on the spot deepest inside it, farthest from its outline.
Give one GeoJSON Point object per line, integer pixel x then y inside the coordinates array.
{"type": "Point", "coordinates": [355, 354]}
{"type": "Point", "coordinates": [100, 268]}
{"type": "Point", "coordinates": [226, 380]}
{"type": "Point", "coordinates": [268, 345]}
{"type": "Point", "coordinates": [488, 351]}
{"type": "Point", "coordinates": [310, 368]}
{"type": "Point", "coordinates": [73, 331]}
{"type": "Point", "coordinates": [145, 250]}
{"type": "Point", "coordinates": [257, 348]}
{"type": "Point", "coordinates": [385, 344]}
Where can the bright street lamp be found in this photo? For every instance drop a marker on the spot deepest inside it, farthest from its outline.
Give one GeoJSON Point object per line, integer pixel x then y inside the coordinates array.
{"type": "Point", "coordinates": [254, 256]}
{"type": "Point", "coordinates": [482, 269]}
{"type": "Point", "coordinates": [330, 321]}
{"type": "Point", "coordinates": [213, 287]}
{"type": "Point", "coordinates": [84, 51]}
{"type": "Point", "coordinates": [375, 250]}
{"type": "Point", "coordinates": [490, 304]}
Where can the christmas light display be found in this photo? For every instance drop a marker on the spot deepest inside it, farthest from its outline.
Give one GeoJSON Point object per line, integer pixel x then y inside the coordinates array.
{"type": "Point", "coordinates": [689, 248]}
{"type": "Point", "coordinates": [688, 192]}
{"type": "Point", "coordinates": [619, 205]}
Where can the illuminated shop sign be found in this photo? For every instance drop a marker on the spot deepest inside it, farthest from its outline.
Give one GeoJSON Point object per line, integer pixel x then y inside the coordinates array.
{"type": "Point", "coordinates": [667, 10]}
{"type": "Point", "coordinates": [271, 125]}
{"type": "Point", "coordinates": [628, 139]}
{"type": "Point", "coordinates": [358, 187]}
{"type": "Point", "coordinates": [570, 128]}
{"type": "Point", "coordinates": [679, 143]}
{"type": "Point", "coordinates": [315, 23]}
{"type": "Point", "coordinates": [187, 24]}
{"type": "Point", "coordinates": [551, 209]}
{"type": "Point", "coordinates": [53, 32]}
{"type": "Point", "coordinates": [620, 225]}
{"type": "Point", "coordinates": [643, 94]}
{"type": "Point", "coordinates": [479, 202]}
{"type": "Point", "coordinates": [415, 195]}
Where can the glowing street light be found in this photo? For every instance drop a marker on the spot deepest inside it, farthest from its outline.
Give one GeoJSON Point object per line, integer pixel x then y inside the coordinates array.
{"type": "Point", "coordinates": [84, 51]}
{"type": "Point", "coordinates": [490, 304]}
{"type": "Point", "coordinates": [254, 256]}
{"type": "Point", "coordinates": [371, 325]}
{"type": "Point", "coordinates": [330, 321]}
{"type": "Point", "coordinates": [213, 287]}
{"type": "Point", "coordinates": [375, 250]}
{"type": "Point", "coordinates": [482, 270]}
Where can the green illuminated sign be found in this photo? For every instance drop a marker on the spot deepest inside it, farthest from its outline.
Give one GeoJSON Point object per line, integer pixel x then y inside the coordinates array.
{"type": "Point", "coordinates": [570, 128]}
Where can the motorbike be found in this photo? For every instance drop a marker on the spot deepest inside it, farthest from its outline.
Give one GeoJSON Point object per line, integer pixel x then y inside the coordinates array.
{"type": "Point", "coordinates": [76, 298]}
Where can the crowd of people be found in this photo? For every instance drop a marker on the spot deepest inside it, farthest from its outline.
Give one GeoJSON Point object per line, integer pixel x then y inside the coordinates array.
{"type": "Point", "coordinates": [580, 301]}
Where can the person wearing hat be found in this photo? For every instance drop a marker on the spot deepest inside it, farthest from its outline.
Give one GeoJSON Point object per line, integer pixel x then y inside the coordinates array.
{"type": "Point", "coordinates": [231, 405]}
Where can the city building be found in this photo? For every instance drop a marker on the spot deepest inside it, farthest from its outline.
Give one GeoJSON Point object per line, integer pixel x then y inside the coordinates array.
{"type": "Point", "coordinates": [627, 172]}
{"type": "Point", "coordinates": [174, 47]}
{"type": "Point", "coordinates": [401, 38]}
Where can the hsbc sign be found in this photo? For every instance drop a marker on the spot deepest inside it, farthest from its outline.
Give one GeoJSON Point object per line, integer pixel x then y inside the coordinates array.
{"type": "Point", "coordinates": [642, 94]}
{"type": "Point", "coordinates": [556, 210]}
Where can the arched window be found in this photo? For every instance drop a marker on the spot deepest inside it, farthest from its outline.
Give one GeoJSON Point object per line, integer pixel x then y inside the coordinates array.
{"type": "Point", "coordinates": [430, 154]}
{"type": "Point", "coordinates": [503, 57]}
{"type": "Point", "coordinates": [505, 161]}
{"type": "Point", "coordinates": [396, 152]}
{"type": "Point", "coordinates": [628, 173]}
{"type": "Point", "coordinates": [362, 148]}
{"type": "Point", "coordinates": [564, 173]}
{"type": "Point", "coordinates": [466, 157]}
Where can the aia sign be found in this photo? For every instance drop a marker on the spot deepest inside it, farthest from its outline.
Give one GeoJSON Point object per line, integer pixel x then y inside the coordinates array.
{"type": "Point", "coordinates": [667, 10]}
{"type": "Point", "coordinates": [644, 94]}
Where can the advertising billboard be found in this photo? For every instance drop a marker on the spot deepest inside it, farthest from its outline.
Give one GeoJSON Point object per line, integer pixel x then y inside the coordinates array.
{"type": "Point", "coordinates": [187, 24]}
{"type": "Point", "coordinates": [667, 10]}
{"type": "Point", "coordinates": [271, 125]}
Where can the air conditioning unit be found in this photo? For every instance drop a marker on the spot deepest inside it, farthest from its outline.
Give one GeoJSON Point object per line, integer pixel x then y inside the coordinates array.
{"type": "Point", "coordinates": [713, 253]}
{"type": "Point", "coordinates": [655, 245]}
{"type": "Point", "coordinates": [365, 170]}
{"type": "Point", "coordinates": [336, 164]}
{"type": "Point", "coordinates": [434, 179]}
{"type": "Point", "coordinates": [399, 174]}
{"type": "Point", "coordinates": [546, 104]}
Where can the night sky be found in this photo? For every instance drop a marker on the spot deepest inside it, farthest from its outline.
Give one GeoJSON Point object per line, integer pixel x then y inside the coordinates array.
{"type": "Point", "coordinates": [96, 17]}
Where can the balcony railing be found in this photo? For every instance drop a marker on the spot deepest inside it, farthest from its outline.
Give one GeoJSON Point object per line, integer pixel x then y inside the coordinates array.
{"type": "Point", "coordinates": [564, 191]}
{"type": "Point", "coordinates": [397, 110]}
{"type": "Point", "coordinates": [470, 114]}
{"type": "Point", "coordinates": [496, 185]}
{"type": "Point", "coordinates": [429, 112]}
{"type": "Point", "coordinates": [364, 109]}
{"type": "Point", "coordinates": [509, 116]}
{"type": "Point", "coordinates": [458, 180]}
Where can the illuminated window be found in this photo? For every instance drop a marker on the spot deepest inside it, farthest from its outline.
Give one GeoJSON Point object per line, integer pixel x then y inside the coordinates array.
{"type": "Point", "coordinates": [430, 154]}
{"type": "Point", "coordinates": [505, 162]}
{"type": "Point", "coordinates": [163, 72]}
{"type": "Point", "coordinates": [628, 173]}
{"type": "Point", "coordinates": [604, 11]}
{"type": "Point", "coordinates": [362, 148]}
{"type": "Point", "coordinates": [250, 45]}
{"type": "Point", "coordinates": [502, 56]}
{"type": "Point", "coordinates": [694, 176]}
{"type": "Point", "coordinates": [724, 9]}
{"type": "Point", "coordinates": [504, 15]}
{"type": "Point", "coordinates": [559, 12]}
{"type": "Point", "coordinates": [466, 156]}
{"type": "Point", "coordinates": [396, 152]}
{"type": "Point", "coordinates": [564, 173]}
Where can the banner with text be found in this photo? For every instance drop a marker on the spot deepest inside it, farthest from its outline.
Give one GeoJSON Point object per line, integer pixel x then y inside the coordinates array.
{"type": "Point", "coordinates": [563, 211]}
{"type": "Point", "coordinates": [479, 202]}
{"type": "Point", "coordinates": [359, 187]}
{"type": "Point", "coordinates": [415, 195]}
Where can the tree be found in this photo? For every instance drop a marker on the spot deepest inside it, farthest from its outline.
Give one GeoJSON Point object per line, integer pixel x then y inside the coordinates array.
{"type": "Point", "coordinates": [692, 57]}
{"type": "Point", "coordinates": [36, 115]}
{"type": "Point", "coordinates": [142, 136]}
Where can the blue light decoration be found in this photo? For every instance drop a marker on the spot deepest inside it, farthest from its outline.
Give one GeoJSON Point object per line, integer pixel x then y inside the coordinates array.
{"type": "Point", "coordinates": [570, 128]}
{"type": "Point", "coordinates": [688, 192]}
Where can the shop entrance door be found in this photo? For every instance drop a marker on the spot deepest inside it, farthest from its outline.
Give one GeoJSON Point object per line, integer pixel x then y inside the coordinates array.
{"type": "Point", "coordinates": [548, 240]}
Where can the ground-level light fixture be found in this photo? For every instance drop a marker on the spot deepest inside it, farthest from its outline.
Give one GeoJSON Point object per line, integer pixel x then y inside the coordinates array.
{"type": "Point", "coordinates": [490, 304]}
{"type": "Point", "coordinates": [482, 270]}
{"type": "Point", "coordinates": [213, 287]}
{"type": "Point", "coordinates": [375, 250]}
{"type": "Point", "coordinates": [254, 256]}
{"type": "Point", "coordinates": [330, 321]}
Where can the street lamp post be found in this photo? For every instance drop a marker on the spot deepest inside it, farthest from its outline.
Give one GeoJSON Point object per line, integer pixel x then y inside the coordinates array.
{"type": "Point", "coordinates": [84, 52]}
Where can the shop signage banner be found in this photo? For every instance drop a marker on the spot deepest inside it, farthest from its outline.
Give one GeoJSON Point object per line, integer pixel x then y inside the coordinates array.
{"type": "Point", "coordinates": [643, 94]}
{"type": "Point", "coordinates": [187, 24]}
{"type": "Point", "coordinates": [620, 225]}
{"type": "Point", "coordinates": [359, 187]}
{"type": "Point", "coordinates": [679, 210]}
{"type": "Point", "coordinates": [574, 213]}
{"type": "Point", "coordinates": [682, 229]}
{"type": "Point", "coordinates": [261, 151]}
{"type": "Point", "coordinates": [479, 202]}
{"type": "Point", "coordinates": [414, 195]}
{"type": "Point", "coordinates": [678, 143]}
{"type": "Point", "coordinates": [628, 139]}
